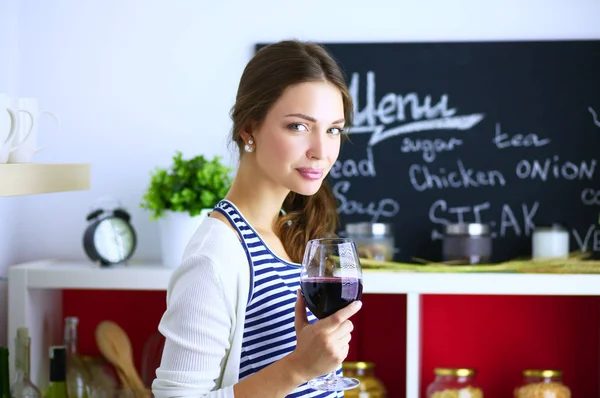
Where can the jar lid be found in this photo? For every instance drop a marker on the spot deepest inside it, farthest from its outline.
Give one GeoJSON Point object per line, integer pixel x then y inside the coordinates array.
{"type": "Point", "coordinates": [358, 365]}
{"type": "Point", "coordinates": [472, 229]}
{"type": "Point", "coordinates": [369, 228]}
{"type": "Point", "coordinates": [542, 373]}
{"type": "Point", "coordinates": [454, 372]}
{"type": "Point", "coordinates": [550, 227]}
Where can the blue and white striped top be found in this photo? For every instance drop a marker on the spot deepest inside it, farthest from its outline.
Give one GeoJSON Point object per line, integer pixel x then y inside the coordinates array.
{"type": "Point", "coordinates": [269, 332]}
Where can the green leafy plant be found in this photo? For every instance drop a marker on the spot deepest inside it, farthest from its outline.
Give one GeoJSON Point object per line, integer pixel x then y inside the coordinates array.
{"type": "Point", "coordinates": [188, 185]}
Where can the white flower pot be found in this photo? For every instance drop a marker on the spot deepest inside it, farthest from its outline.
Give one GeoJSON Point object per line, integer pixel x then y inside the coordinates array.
{"type": "Point", "coordinates": [176, 230]}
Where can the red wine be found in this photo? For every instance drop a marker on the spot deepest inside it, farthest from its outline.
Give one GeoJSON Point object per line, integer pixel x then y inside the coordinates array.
{"type": "Point", "coordinates": [325, 296]}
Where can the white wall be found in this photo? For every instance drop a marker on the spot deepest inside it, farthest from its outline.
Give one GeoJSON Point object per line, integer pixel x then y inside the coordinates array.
{"type": "Point", "coordinates": [9, 83]}
{"type": "Point", "coordinates": [133, 81]}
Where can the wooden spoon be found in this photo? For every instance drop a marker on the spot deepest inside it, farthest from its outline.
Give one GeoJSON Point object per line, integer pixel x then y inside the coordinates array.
{"type": "Point", "coordinates": [115, 346]}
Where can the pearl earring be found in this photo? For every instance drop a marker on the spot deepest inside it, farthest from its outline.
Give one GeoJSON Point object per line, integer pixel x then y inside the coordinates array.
{"type": "Point", "coordinates": [247, 147]}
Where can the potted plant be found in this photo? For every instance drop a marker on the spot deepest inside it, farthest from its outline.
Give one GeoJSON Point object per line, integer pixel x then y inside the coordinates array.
{"type": "Point", "coordinates": [181, 196]}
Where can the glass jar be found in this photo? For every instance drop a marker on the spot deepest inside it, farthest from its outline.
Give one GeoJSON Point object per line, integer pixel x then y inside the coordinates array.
{"type": "Point", "coordinates": [454, 383]}
{"type": "Point", "coordinates": [370, 386]}
{"type": "Point", "coordinates": [538, 383]}
{"type": "Point", "coordinates": [374, 241]}
{"type": "Point", "coordinates": [465, 243]}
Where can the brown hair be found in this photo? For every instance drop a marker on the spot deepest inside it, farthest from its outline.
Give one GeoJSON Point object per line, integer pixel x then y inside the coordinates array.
{"type": "Point", "coordinates": [272, 69]}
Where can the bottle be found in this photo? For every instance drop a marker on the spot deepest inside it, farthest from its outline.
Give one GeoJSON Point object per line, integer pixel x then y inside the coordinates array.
{"type": "Point", "coordinates": [4, 374]}
{"type": "Point", "coordinates": [24, 388]}
{"type": "Point", "coordinates": [57, 388]}
{"type": "Point", "coordinates": [18, 374]}
{"type": "Point", "coordinates": [78, 379]}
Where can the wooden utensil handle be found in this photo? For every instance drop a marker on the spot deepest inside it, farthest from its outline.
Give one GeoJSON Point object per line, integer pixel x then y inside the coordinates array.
{"type": "Point", "coordinates": [122, 378]}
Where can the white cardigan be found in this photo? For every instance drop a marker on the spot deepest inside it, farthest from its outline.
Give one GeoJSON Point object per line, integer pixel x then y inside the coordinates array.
{"type": "Point", "coordinates": [204, 320]}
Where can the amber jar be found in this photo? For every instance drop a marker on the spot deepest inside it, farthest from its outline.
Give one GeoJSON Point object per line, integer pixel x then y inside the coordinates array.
{"type": "Point", "coordinates": [454, 383]}
{"type": "Point", "coordinates": [540, 383]}
{"type": "Point", "coordinates": [370, 386]}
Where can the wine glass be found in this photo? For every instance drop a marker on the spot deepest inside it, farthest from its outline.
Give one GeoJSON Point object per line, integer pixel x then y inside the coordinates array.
{"type": "Point", "coordinates": [331, 278]}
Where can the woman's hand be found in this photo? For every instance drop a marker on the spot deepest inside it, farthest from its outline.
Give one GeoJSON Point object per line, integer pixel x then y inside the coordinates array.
{"type": "Point", "coordinates": [322, 346]}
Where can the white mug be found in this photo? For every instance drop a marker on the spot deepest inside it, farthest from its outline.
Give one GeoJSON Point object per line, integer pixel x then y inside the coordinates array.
{"type": "Point", "coordinates": [8, 131]}
{"type": "Point", "coordinates": [28, 138]}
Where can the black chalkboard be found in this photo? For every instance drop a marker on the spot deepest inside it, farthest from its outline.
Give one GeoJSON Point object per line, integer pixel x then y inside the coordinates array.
{"type": "Point", "coordinates": [506, 133]}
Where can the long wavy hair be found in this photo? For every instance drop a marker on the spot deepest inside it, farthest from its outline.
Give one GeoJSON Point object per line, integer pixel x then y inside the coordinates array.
{"type": "Point", "coordinates": [272, 69]}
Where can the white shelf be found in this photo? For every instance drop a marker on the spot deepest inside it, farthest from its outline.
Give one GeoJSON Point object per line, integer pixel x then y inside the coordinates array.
{"type": "Point", "coordinates": [52, 274]}
{"type": "Point", "coordinates": [35, 178]}
{"type": "Point", "coordinates": [35, 297]}
{"type": "Point", "coordinates": [482, 283]}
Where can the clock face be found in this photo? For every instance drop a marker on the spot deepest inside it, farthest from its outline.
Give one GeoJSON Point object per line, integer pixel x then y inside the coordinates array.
{"type": "Point", "coordinates": [114, 240]}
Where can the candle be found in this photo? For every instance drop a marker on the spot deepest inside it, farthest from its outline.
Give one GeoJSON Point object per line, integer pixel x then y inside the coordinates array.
{"type": "Point", "coordinates": [550, 242]}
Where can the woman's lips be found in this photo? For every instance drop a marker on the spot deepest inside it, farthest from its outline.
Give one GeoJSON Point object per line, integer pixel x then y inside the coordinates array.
{"type": "Point", "coordinates": [310, 174]}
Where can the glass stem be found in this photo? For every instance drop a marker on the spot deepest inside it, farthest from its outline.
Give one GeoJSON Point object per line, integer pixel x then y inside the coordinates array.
{"type": "Point", "coordinates": [330, 375]}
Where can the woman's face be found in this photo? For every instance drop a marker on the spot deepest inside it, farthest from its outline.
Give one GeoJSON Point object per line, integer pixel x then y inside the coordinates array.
{"type": "Point", "coordinates": [299, 140]}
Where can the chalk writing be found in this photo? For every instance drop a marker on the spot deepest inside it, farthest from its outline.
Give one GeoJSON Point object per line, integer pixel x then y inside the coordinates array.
{"type": "Point", "coordinates": [502, 140]}
{"type": "Point", "coordinates": [594, 116]}
{"type": "Point", "coordinates": [592, 235]}
{"type": "Point", "coordinates": [351, 168]}
{"type": "Point", "coordinates": [430, 148]}
{"type": "Point", "coordinates": [422, 179]}
{"type": "Point", "coordinates": [552, 168]}
{"type": "Point", "coordinates": [590, 197]}
{"type": "Point", "coordinates": [407, 110]}
{"type": "Point", "coordinates": [387, 207]}
{"type": "Point", "coordinates": [519, 223]}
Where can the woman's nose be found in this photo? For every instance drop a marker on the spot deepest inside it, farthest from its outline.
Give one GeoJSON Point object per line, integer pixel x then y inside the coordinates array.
{"type": "Point", "coordinates": [318, 147]}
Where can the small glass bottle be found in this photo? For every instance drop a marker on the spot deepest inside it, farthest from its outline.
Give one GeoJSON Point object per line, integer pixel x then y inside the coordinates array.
{"type": "Point", "coordinates": [78, 379]}
{"type": "Point", "coordinates": [370, 386]}
{"type": "Point", "coordinates": [17, 377]}
{"type": "Point", "coordinates": [4, 374]}
{"type": "Point", "coordinates": [454, 382]}
{"type": "Point", "coordinates": [18, 372]}
{"type": "Point", "coordinates": [24, 387]}
{"type": "Point", "coordinates": [57, 386]}
{"type": "Point", "coordinates": [546, 383]}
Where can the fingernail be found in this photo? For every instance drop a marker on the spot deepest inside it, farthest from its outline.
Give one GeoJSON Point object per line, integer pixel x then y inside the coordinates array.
{"type": "Point", "coordinates": [358, 304]}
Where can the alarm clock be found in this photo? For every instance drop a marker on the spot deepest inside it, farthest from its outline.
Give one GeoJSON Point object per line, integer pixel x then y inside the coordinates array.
{"type": "Point", "coordinates": [109, 237]}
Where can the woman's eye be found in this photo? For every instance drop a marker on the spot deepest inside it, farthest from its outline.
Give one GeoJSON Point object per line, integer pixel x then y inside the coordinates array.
{"type": "Point", "coordinates": [297, 127]}
{"type": "Point", "coordinates": [336, 130]}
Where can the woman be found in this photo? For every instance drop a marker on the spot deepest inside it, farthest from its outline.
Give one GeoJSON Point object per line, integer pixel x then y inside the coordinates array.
{"type": "Point", "coordinates": [235, 324]}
